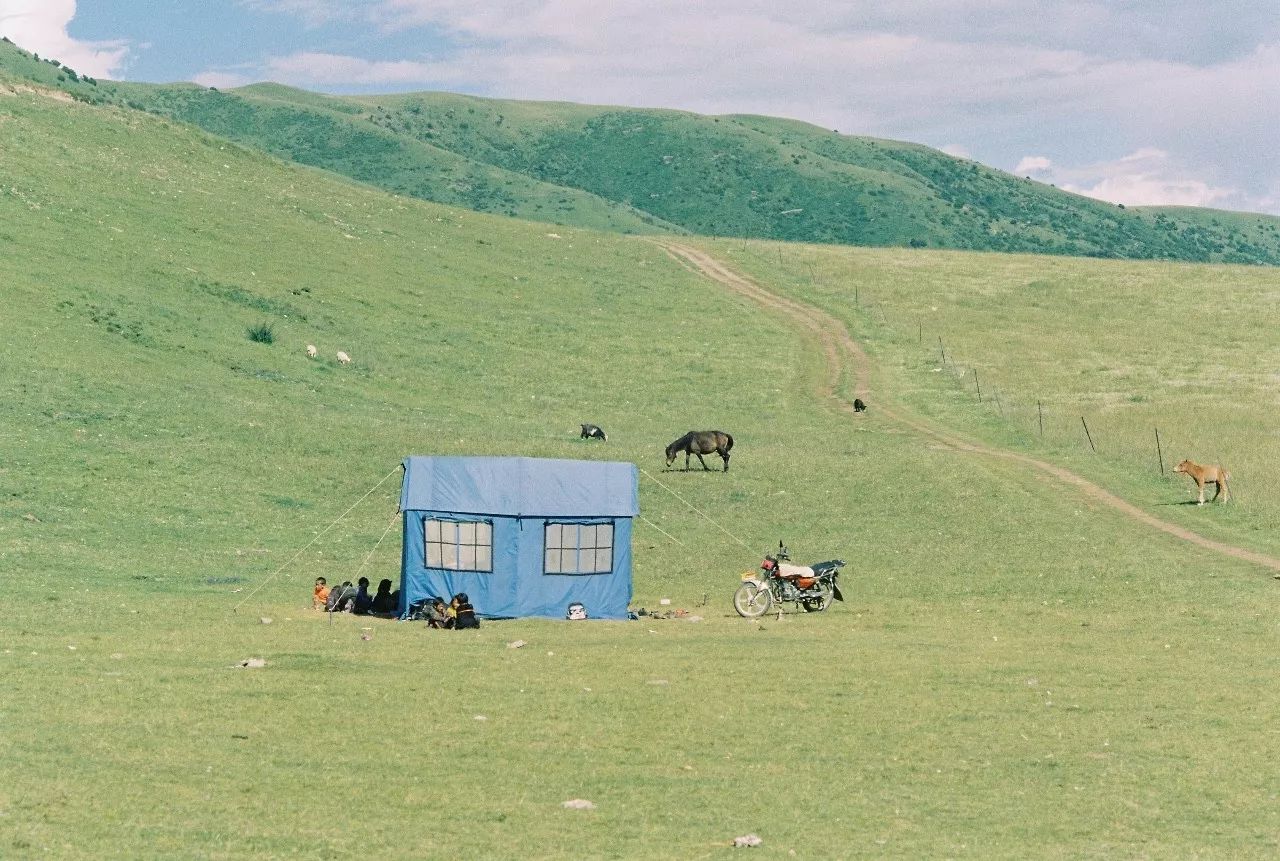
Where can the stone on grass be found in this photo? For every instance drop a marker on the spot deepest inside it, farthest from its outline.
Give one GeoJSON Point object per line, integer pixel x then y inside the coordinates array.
{"type": "Point", "coordinates": [515, 644]}
{"type": "Point", "coordinates": [252, 663]}
{"type": "Point", "coordinates": [578, 804]}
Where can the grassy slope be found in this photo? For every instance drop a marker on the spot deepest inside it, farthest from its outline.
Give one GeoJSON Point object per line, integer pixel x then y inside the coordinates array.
{"type": "Point", "coordinates": [1015, 673]}
{"type": "Point", "coordinates": [1108, 341]}
{"type": "Point", "coordinates": [647, 171]}
{"type": "Point", "coordinates": [324, 132]}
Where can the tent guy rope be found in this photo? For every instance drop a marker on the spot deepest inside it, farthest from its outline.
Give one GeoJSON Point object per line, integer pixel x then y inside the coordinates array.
{"type": "Point", "coordinates": [695, 509]}
{"type": "Point", "coordinates": [276, 573]}
{"type": "Point", "coordinates": [390, 524]}
{"type": "Point", "coordinates": [663, 531]}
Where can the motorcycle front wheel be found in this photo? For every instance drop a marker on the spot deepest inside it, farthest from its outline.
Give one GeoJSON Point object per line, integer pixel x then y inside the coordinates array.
{"type": "Point", "coordinates": [823, 601]}
{"type": "Point", "coordinates": [752, 600]}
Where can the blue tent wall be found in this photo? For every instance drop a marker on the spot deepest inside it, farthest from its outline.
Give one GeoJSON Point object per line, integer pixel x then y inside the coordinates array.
{"type": "Point", "coordinates": [519, 496]}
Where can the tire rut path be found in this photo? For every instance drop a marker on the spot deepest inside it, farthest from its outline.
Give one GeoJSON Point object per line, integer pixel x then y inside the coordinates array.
{"type": "Point", "coordinates": [842, 353]}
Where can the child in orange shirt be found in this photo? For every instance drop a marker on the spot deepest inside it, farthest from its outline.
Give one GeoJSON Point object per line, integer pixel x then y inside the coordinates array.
{"type": "Point", "coordinates": [321, 595]}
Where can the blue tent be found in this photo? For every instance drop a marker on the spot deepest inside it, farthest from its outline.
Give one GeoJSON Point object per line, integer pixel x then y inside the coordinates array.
{"type": "Point", "coordinates": [521, 536]}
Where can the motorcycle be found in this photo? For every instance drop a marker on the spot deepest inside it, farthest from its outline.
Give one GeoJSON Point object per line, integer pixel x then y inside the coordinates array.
{"type": "Point", "coordinates": [812, 587]}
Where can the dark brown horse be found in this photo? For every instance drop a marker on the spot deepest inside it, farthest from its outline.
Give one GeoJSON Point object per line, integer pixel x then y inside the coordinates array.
{"type": "Point", "coordinates": [700, 443]}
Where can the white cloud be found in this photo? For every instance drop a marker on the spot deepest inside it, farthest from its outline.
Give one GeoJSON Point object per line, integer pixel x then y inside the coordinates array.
{"type": "Point", "coordinates": [1032, 164]}
{"type": "Point", "coordinates": [40, 26]}
{"type": "Point", "coordinates": [221, 80]}
{"type": "Point", "coordinates": [314, 13]}
{"type": "Point", "coordinates": [1145, 177]}
{"type": "Point", "coordinates": [320, 69]}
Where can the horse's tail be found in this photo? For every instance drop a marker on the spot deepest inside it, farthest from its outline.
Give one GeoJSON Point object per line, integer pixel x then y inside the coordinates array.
{"type": "Point", "coordinates": [728, 446]}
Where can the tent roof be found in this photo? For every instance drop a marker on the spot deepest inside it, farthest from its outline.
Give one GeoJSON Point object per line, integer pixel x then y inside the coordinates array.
{"type": "Point", "coordinates": [520, 486]}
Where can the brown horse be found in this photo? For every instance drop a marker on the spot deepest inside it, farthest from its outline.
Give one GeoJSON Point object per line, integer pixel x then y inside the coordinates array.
{"type": "Point", "coordinates": [700, 443]}
{"type": "Point", "coordinates": [1202, 475]}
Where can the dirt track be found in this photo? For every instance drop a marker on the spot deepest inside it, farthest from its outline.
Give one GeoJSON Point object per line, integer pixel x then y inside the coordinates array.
{"type": "Point", "coordinates": [841, 352]}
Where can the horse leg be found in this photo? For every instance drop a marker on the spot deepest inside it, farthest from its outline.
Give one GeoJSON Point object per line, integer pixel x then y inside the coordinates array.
{"type": "Point", "coordinates": [1219, 486]}
{"type": "Point", "coordinates": [686, 461]}
{"type": "Point", "coordinates": [725, 455]}
{"type": "Point", "coordinates": [1200, 484]}
{"type": "Point", "coordinates": [703, 462]}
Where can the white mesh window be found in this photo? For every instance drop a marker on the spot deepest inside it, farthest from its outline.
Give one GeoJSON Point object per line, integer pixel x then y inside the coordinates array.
{"type": "Point", "coordinates": [459, 545]}
{"type": "Point", "coordinates": [578, 548]}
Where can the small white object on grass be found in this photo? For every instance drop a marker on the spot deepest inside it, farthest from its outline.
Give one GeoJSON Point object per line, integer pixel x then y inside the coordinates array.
{"type": "Point", "coordinates": [578, 804]}
{"type": "Point", "coordinates": [747, 840]}
{"type": "Point", "coordinates": [252, 663]}
{"type": "Point", "coordinates": [665, 602]}
{"type": "Point", "coordinates": [266, 620]}
{"type": "Point", "coordinates": [515, 644]}
{"type": "Point", "coordinates": [343, 358]}
{"type": "Point", "coordinates": [311, 351]}
{"type": "Point", "coordinates": [481, 717]}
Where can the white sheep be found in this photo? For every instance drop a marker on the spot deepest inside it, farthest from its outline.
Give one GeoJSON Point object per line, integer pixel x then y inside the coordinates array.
{"type": "Point", "coordinates": [343, 358]}
{"type": "Point", "coordinates": [311, 351]}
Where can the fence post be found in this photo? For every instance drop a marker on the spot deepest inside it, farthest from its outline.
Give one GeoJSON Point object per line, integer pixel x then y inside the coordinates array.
{"type": "Point", "coordinates": [944, 351]}
{"type": "Point", "coordinates": [1159, 451]}
{"type": "Point", "coordinates": [1040, 412]}
{"type": "Point", "coordinates": [1088, 435]}
{"type": "Point", "coordinates": [977, 384]}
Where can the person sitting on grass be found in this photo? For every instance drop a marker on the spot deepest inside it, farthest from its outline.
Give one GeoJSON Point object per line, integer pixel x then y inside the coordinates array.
{"type": "Point", "coordinates": [463, 614]}
{"type": "Point", "coordinates": [363, 600]}
{"type": "Point", "coordinates": [320, 597]}
{"type": "Point", "coordinates": [341, 598]}
{"type": "Point", "coordinates": [384, 603]}
{"type": "Point", "coordinates": [437, 614]}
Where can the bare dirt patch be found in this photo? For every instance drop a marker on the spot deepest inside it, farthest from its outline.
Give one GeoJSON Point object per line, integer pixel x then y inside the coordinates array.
{"type": "Point", "coordinates": [11, 89]}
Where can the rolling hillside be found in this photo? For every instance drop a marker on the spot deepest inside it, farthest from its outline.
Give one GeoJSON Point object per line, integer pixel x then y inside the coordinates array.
{"type": "Point", "coordinates": [644, 171]}
{"type": "Point", "coordinates": [1014, 672]}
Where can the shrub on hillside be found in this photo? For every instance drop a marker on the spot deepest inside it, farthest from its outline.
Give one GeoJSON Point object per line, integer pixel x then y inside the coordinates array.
{"type": "Point", "coordinates": [262, 333]}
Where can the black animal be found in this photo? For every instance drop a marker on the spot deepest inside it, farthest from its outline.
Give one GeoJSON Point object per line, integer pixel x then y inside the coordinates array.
{"type": "Point", "coordinates": [859, 406]}
{"type": "Point", "coordinates": [700, 443]}
{"type": "Point", "coordinates": [593, 432]}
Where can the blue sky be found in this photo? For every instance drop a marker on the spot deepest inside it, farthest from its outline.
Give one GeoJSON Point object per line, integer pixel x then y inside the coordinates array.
{"type": "Point", "coordinates": [1132, 101]}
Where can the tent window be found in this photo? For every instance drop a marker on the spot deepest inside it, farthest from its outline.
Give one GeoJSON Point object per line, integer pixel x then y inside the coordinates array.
{"type": "Point", "coordinates": [578, 548]}
{"type": "Point", "coordinates": [459, 546]}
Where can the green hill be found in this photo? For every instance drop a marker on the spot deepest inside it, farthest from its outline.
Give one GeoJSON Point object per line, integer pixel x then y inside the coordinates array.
{"type": "Point", "coordinates": [643, 171]}
{"type": "Point", "coordinates": [1014, 671]}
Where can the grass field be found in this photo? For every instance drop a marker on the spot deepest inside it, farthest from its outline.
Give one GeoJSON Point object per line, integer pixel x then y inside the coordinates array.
{"type": "Point", "coordinates": [1127, 347]}
{"type": "Point", "coordinates": [1016, 672]}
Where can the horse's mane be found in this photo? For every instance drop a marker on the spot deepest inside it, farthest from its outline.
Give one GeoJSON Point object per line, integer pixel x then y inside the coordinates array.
{"type": "Point", "coordinates": [683, 441]}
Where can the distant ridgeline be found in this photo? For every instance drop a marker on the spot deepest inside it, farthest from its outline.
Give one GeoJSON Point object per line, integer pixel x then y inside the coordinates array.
{"type": "Point", "coordinates": [661, 171]}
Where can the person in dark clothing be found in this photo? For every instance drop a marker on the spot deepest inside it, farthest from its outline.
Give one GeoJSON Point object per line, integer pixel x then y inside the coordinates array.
{"type": "Point", "coordinates": [437, 614]}
{"type": "Point", "coordinates": [363, 600]}
{"type": "Point", "coordinates": [341, 598]}
{"type": "Point", "coordinates": [384, 603]}
{"type": "Point", "coordinates": [463, 614]}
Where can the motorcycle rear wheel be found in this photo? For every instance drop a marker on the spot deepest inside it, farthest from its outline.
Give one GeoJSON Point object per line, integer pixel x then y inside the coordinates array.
{"type": "Point", "coordinates": [815, 605]}
{"type": "Point", "coordinates": [752, 600]}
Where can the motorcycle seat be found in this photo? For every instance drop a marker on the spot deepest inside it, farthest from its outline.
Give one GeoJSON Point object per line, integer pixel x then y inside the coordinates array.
{"type": "Point", "coordinates": [787, 571]}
